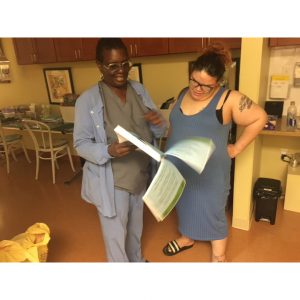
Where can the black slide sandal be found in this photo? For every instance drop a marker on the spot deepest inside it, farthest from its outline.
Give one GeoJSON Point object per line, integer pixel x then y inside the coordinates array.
{"type": "Point", "coordinates": [172, 248]}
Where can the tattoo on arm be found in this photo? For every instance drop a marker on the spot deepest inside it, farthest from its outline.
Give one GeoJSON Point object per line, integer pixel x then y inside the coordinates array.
{"type": "Point", "coordinates": [245, 102]}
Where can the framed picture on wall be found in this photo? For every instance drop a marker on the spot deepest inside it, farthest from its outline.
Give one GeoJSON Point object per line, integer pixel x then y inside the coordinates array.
{"type": "Point", "coordinates": [135, 73]}
{"type": "Point", "coordinates": [58, 82]}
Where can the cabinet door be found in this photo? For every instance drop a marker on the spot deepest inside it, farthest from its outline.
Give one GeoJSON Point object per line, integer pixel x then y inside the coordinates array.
{"type": "Point", "coordinates": [274, 42]}
{"type": "Point", "coordinates": [131, 46]}
{"type": "Point", "coordinates": [183, 45]}
{"type": "Point", "coordinates": [24, 50]}
{"type": "Point", "coordinates": [230, 43]}
{"type": "Point", "coordinates": [34, 50]}
{"type": "Point", "coordinates": [146, 46]}
{"type": "Point", "coordinates": [88, 50]}
{"type": "Point", "coordinates": [151, 46]}
{"type": "Point", "coordinates": [67, 49]}
{"type": "Point", "coordinates": [44, 50]}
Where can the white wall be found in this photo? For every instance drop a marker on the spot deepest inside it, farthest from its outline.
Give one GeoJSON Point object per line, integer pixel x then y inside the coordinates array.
{"type": "Point", "coordinates": [282, 62]}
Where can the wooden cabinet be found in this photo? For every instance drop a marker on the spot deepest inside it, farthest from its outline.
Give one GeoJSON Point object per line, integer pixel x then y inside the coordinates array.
{"type": "Point", "coordinates": [24, 51]}
{"type": "Point", "coordinates": [275, 42]}
{"type": "Point", "coordinates": [88, 50]}
{"type": "Point", "coordinates": [66, 49]}
{"type": "Point", "coordinates": [182, 45]}
{"type": "Point", "coordinates": [230, 43]}
{"type": "Point", "coordinates": [152, 46]}
{"type": "Point", "coordinates": [49, 50]}
{"type": "Point", "coordinates": [131, 46]}
{"type": "Point", "coordinates": [34, 50]}
{"type": "Point", "coordinates": [138, 47]}
{"type": "Point", "coordinates": [75, 49]}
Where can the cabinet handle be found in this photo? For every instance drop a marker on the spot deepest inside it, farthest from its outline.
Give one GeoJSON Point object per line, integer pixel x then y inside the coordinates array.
{"type": "Point", "coordinates": [75, 54]}
{"type": "Point", "coordinates": [34, 58]}
{"type": "Point", "coordinates": [130, 49]}
{"type": "Point", "coordinates": [79, 54]}
{"type": "Point", "coordinates": [135, 46]}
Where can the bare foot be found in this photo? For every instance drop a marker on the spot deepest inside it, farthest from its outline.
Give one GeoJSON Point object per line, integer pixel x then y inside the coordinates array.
{"type": "Point", "coordinates": [218, 258]}
{"type": "Point", "coordinates": [184, 241]}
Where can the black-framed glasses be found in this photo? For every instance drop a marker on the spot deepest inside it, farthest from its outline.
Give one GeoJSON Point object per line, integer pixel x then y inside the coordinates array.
{"type": "Point", "coordinates": [114, 67]}
{"type": "Point", "coordinates": [204, 87]}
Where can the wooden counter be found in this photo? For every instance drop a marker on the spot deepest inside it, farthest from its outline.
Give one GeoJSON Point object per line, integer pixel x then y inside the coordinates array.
{"type": "Point", "coordinates": [281, 129]}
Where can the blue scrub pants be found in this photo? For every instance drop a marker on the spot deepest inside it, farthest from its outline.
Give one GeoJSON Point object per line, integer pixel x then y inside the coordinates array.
{"type": "Point", "coordinates": [122, 233]}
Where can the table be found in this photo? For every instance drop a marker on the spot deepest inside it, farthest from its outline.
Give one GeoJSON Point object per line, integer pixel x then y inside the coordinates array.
{"type": "Point", "coordinates": [55, 127]}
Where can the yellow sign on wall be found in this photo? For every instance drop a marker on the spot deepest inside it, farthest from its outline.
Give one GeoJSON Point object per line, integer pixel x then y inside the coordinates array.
{"type": "Point", "coordinates": [279, 86]}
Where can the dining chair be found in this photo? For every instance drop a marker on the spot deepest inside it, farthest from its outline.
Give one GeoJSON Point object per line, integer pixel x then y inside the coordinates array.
{"type": "Point", "coordinates": [46, 147]}
{"type": "Point", "coordinates": [9, 143]}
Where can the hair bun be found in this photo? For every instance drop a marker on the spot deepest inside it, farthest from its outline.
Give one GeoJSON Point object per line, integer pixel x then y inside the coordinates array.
{"type": "Point", "coordinates": [219, 50]}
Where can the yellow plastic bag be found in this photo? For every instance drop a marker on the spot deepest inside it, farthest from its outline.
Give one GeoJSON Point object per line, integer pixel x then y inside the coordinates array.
{"type": "Point", "coordinates": [34, 241]}
{"type": "Point", "coordinates": [11, 251]}
{"type": "Point", "coordinates": [40, 232]}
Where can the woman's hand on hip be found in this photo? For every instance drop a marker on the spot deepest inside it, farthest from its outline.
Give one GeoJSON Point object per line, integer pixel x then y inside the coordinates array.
{"type": "Point", "coordinates": [231, 151]}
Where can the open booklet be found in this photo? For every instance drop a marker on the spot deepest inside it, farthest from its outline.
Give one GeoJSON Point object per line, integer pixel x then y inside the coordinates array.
{"type": "Point", "coordinates": [168, 183]}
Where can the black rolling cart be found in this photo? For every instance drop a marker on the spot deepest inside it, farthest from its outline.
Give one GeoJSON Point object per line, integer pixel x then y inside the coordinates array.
{"type": "Point", "coordinates": [266, 193]}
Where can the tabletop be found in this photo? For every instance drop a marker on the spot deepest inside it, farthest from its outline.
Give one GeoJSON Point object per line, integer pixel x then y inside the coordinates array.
{"type": "Point", "coordinates": [56, 126]}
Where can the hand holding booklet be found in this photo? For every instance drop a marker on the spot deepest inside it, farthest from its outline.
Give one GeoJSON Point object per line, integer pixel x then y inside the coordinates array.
{"type": "Point", "coordinates": [168, 184]}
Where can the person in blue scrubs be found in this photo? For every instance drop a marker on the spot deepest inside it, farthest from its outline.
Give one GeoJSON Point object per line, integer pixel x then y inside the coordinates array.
{"type": "Point", "coordinates": [116, 175]}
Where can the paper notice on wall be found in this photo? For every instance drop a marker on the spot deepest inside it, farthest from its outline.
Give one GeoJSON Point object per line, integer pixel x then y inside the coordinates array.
{"type": "Point", "coordinates": [279, 88]}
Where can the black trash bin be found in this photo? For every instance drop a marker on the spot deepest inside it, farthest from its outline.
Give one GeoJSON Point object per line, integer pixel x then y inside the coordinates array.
{"type": "Point", "coordinates": [266, 193]}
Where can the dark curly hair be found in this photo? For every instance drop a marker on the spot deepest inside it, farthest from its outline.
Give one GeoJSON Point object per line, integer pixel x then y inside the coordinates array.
{"type": "Point", "coordinates": [213, 61]}
{"type": "Point", "coordinates": [108, 44]}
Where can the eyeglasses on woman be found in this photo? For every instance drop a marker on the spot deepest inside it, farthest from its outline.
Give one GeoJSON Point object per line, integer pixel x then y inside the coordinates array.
{"type": "Point", "coordinates": [114, 67]}
{"type": "Point", "coordinates": [204, 87]}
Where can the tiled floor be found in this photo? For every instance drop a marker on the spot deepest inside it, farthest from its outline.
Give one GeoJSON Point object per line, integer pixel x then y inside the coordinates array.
{"type": "Point", "coordinates": [76, 234]}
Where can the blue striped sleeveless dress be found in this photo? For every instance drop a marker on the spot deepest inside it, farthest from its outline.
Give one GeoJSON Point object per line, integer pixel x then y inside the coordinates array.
{"type": "Point", "coordinates": [201, 208]}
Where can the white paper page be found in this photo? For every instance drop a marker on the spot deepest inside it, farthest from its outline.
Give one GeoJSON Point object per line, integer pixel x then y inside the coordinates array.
{"type": "Point", "coordinates": [124, 135]}
{"type": "Point", "coordinates": [194, 151]}
{"type": "Point", "coordinates": [164, 190]}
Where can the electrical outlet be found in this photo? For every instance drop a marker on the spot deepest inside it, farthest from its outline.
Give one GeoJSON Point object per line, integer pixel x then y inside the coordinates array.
{"type": "Point", "coordinates": [283, 151]}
